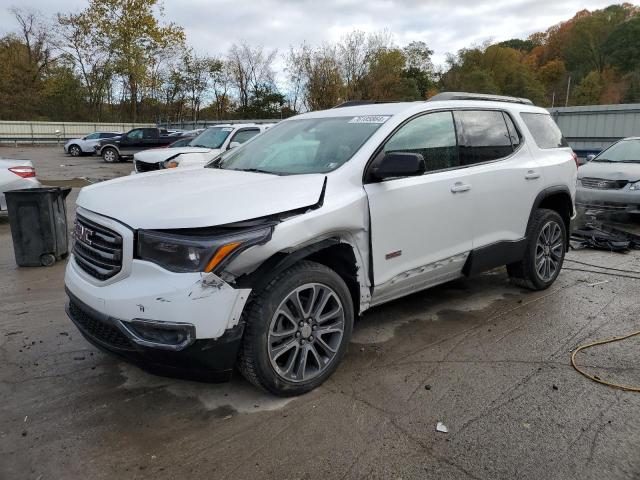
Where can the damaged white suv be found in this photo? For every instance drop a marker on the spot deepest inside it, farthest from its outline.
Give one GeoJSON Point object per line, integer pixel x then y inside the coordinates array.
{"type": "Point", "coordinates": [263, 259]}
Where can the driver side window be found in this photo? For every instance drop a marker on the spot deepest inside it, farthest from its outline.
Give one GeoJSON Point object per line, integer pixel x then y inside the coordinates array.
{"type": "Point", "coordinates": [432, 135]}
{"type": "Point", "coordinates": [135, 134]}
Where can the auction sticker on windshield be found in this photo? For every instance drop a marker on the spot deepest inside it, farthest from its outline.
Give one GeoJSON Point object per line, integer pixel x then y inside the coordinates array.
{"type": "Point", "coordinates": [370, 119]}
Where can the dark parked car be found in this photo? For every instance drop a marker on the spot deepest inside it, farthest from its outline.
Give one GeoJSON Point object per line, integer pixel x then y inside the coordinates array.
{"type": "Point", "coordinates": [114, 149]}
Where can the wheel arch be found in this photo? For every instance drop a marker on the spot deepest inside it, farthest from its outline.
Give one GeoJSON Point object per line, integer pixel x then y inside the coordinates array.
{"type": "Point", "coordinates": [558, 199]}
{"type": "Point", "coordinates": [334, 253]}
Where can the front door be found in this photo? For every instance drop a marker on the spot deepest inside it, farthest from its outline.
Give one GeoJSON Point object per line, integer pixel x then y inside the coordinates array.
{"type": "Point", "coordinates": [421, 227]}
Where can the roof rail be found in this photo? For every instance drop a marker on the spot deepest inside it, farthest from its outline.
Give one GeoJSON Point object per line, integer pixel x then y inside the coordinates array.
{"type": "Point", "coordinates": [478, 96]}
{"type": "Point", "coordinates": [355, 103]}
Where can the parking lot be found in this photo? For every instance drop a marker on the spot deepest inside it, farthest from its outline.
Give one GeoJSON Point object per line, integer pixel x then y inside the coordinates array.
{"type": "Point", "coordinates": [485, 358]}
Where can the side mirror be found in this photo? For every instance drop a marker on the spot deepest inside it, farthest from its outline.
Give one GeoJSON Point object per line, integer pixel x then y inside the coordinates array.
{"type": "Point", "coordinates": [590, 157]}
{"type": "Point", "coordinates": [399, 164]}
{"type": "Point", "coordinates": [233, 145]}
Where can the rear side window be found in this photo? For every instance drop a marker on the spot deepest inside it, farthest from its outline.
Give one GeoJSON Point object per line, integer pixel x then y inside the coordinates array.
{"type": "Point", "coordinates": [513, 131]}
{"type": "Point", "coordinates": [150, 133]}
{"type": "Point", "coordinates": [432, 135]}
{"type": "Point", "coordinates": [482, 136]}
{"type": "Point", "coordinates": [544, 130]}
{"type": "Point", "coordinates": [108, 135]}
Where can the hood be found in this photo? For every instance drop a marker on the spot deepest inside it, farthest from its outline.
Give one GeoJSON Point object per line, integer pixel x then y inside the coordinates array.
{"type": "Point", "coordinates": [202, 197]}
{"type": "Point", "coordinates": [610, 171]}
{"type": "Point", "coordinates": [156, 155]}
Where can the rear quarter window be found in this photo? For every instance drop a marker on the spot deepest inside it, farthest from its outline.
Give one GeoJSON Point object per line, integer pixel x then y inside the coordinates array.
{"type": "Point", "coordinates": [544, 130]}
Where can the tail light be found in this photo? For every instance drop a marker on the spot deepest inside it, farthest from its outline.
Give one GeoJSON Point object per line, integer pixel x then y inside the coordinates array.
{"type": "Point", "coordinates": [575, 159]}
{"type": "Point", "coordinates": [24, 172]}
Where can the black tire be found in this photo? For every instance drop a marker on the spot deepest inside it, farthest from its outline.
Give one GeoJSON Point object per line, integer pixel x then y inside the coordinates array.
{"type": "Point", "coordinates": [254, 361]}
{"type": "Point", "coordinates": [47, 260]}
{"type": "Point", "coordinates": [524, 273]}
{"type": "Point", "coordinates": [110, 155]}
{"type": "Point", "coordinates": [74, 150]}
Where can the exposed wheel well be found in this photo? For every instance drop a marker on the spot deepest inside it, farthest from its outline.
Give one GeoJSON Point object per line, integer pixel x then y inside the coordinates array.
{"type": "Point", "coordinates": [559, 202]}
{"type": "Point", "coordinates": [341, 259]}
{"type": "Point", "coordinates": [337, 256]}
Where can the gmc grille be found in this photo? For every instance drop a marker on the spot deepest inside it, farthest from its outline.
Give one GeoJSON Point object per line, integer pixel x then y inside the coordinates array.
{"type": "Point", "coordinates": [97, 249]}
{"type": "Point", "coordinates": [603, 184]}
{"type": "Point", "coordinates": [147, 167]}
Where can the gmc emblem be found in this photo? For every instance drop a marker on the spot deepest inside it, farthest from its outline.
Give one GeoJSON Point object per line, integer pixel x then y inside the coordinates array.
{"type": "Point", "coordinates": [82, 234]}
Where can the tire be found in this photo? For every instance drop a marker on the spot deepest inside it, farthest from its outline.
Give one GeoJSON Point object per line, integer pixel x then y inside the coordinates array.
{"type": "Point", "coordinates": [47, 260]}
{"type": "Point", "coordinates": [110, 155]}
{"type": "Point", "coordinates": [74, 150]}
{"type": "Point", "coordinates": [273, 347]}
{"type": "Point", "coordinates": [550, 254]}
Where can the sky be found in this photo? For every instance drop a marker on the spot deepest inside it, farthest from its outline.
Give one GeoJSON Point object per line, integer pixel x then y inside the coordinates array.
{"type": "Point", "coordinates": [212, 26]}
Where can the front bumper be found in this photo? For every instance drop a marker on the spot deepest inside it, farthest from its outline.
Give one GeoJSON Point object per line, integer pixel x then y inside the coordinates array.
{"type": "Point", "coordinates": [622, 200]}
{"type": "Point", "coordinates": [205, 360]}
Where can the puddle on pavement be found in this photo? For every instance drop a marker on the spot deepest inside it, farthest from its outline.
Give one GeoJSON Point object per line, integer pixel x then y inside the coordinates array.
{"type": "Point", "coordinates": [237, 395]}
{"type": "Point", "coordinates": [380, 324]}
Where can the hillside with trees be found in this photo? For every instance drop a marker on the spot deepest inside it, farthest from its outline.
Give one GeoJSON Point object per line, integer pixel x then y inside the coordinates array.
{"type": "Point", "coordinates": [134, 65]}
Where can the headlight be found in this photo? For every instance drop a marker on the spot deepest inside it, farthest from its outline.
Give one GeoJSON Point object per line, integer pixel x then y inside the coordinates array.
{"type": "Point", "coordinates": [197, 253]}
{"type": "Point", "coordinates": [635, 186]}
{"type": "Point", "coordinates": [171, 163]}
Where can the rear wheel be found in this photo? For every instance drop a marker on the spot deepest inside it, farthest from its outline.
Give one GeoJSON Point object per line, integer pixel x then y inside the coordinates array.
{"type": "Point", "coordinates": [544, 255]}
{"type": "Point", "coordinates": [297, 330]}
{"type": "Point", "coordinates": [74, 150]}
{"type": "Point", "coordinates": [110, 155]}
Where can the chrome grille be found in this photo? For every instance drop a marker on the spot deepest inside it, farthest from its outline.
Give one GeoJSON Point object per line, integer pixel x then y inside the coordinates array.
{"type": "Point", "coordinates": [147, 167]}
{"type": "Point", "coordinates": [97, 249]}
{"type": "Point", "coordinates": [603, 184]}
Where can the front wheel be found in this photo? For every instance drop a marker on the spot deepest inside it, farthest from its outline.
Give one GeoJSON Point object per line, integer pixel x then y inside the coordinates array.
{"type": "Point", "coordinates": [544, 255]}
{"type": "Point", "coordinates": [297, 330]}
{"type": "Point", "coordinates": [110, 155]}
{"type": "Point", "coordinates": [74, 151]}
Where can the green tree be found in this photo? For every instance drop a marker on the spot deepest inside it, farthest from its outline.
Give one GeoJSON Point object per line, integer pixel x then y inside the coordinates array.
{"type": "Point", "coordinates": [419, 67]}
{"type": "Point", "coordinates": [622, 47]}
{"type": "Point", "coordinates": [589, 90]}
{"type": "Point", "coordinates": [131, 31]}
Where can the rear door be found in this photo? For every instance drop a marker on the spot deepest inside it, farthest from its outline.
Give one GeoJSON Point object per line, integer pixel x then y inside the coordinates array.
{"type": "Point", "coordinates": [421, 226]}
{"type": "Point", "coordinates": [505, 177]}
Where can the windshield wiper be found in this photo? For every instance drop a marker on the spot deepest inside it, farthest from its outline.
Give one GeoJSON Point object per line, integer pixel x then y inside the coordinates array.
{"type": "Point", "coordinates": [201, 146]}
{"type": "Point", "coordinates": [254, 170]}
{"type": "Point", "coordinates": [603, 160]}
{"type": "Point", "coordinates": [629, 161]}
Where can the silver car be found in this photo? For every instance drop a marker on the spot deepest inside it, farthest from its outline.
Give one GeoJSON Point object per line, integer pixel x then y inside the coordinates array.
{"type": "Point", "coordinates": [610, 181]}
{"type": "Point", "coordinates": [15, 175]}
{"type": "Point", "coordinates": [77, 146]}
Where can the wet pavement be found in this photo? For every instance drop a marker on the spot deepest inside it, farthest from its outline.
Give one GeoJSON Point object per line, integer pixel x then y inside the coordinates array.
{"type": "Point", "coordinates": [487, 359]}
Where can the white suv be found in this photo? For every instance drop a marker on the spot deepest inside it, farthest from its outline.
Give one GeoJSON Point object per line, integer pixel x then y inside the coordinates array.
{"type": "Point", "coordinates": [207, 145]}
{"type": "Point", "coordinates": [263, 258]}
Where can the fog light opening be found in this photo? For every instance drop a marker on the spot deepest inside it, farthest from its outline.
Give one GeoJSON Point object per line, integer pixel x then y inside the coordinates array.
{"type": "Point", "coordinates": [171, 336]}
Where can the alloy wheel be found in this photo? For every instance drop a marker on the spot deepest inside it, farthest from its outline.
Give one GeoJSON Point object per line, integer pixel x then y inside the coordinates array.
{"type": "Point", "coordinates": [305, 332]}
{"type": "Point", "coordinates": [549, 251]}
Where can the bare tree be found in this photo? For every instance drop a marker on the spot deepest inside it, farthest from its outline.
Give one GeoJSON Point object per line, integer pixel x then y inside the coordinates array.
{"type": "Point", "coordinates": [250, 68]}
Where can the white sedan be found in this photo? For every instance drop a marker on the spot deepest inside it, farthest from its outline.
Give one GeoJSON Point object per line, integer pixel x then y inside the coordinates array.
{"type": "Point", "coordinates": [15, 175]}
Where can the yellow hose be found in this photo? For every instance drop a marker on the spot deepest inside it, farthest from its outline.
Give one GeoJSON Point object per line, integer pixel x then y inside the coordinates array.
{"type": "Point", "coordinates": [628, 388]}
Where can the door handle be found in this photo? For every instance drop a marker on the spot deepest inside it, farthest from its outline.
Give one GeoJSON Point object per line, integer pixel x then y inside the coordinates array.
{"type": "Point", "coordinates": [460, 187]}
{"type": "Point", "coordinates": [532, 175]}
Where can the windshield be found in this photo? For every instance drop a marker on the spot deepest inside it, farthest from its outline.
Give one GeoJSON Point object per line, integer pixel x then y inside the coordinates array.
{"type": "Point", "coordinates": [314, 145]}
{"type": "Point", "coordinates": [212, 137]}
{"type": "Point", "coordinates": [626, 151]}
